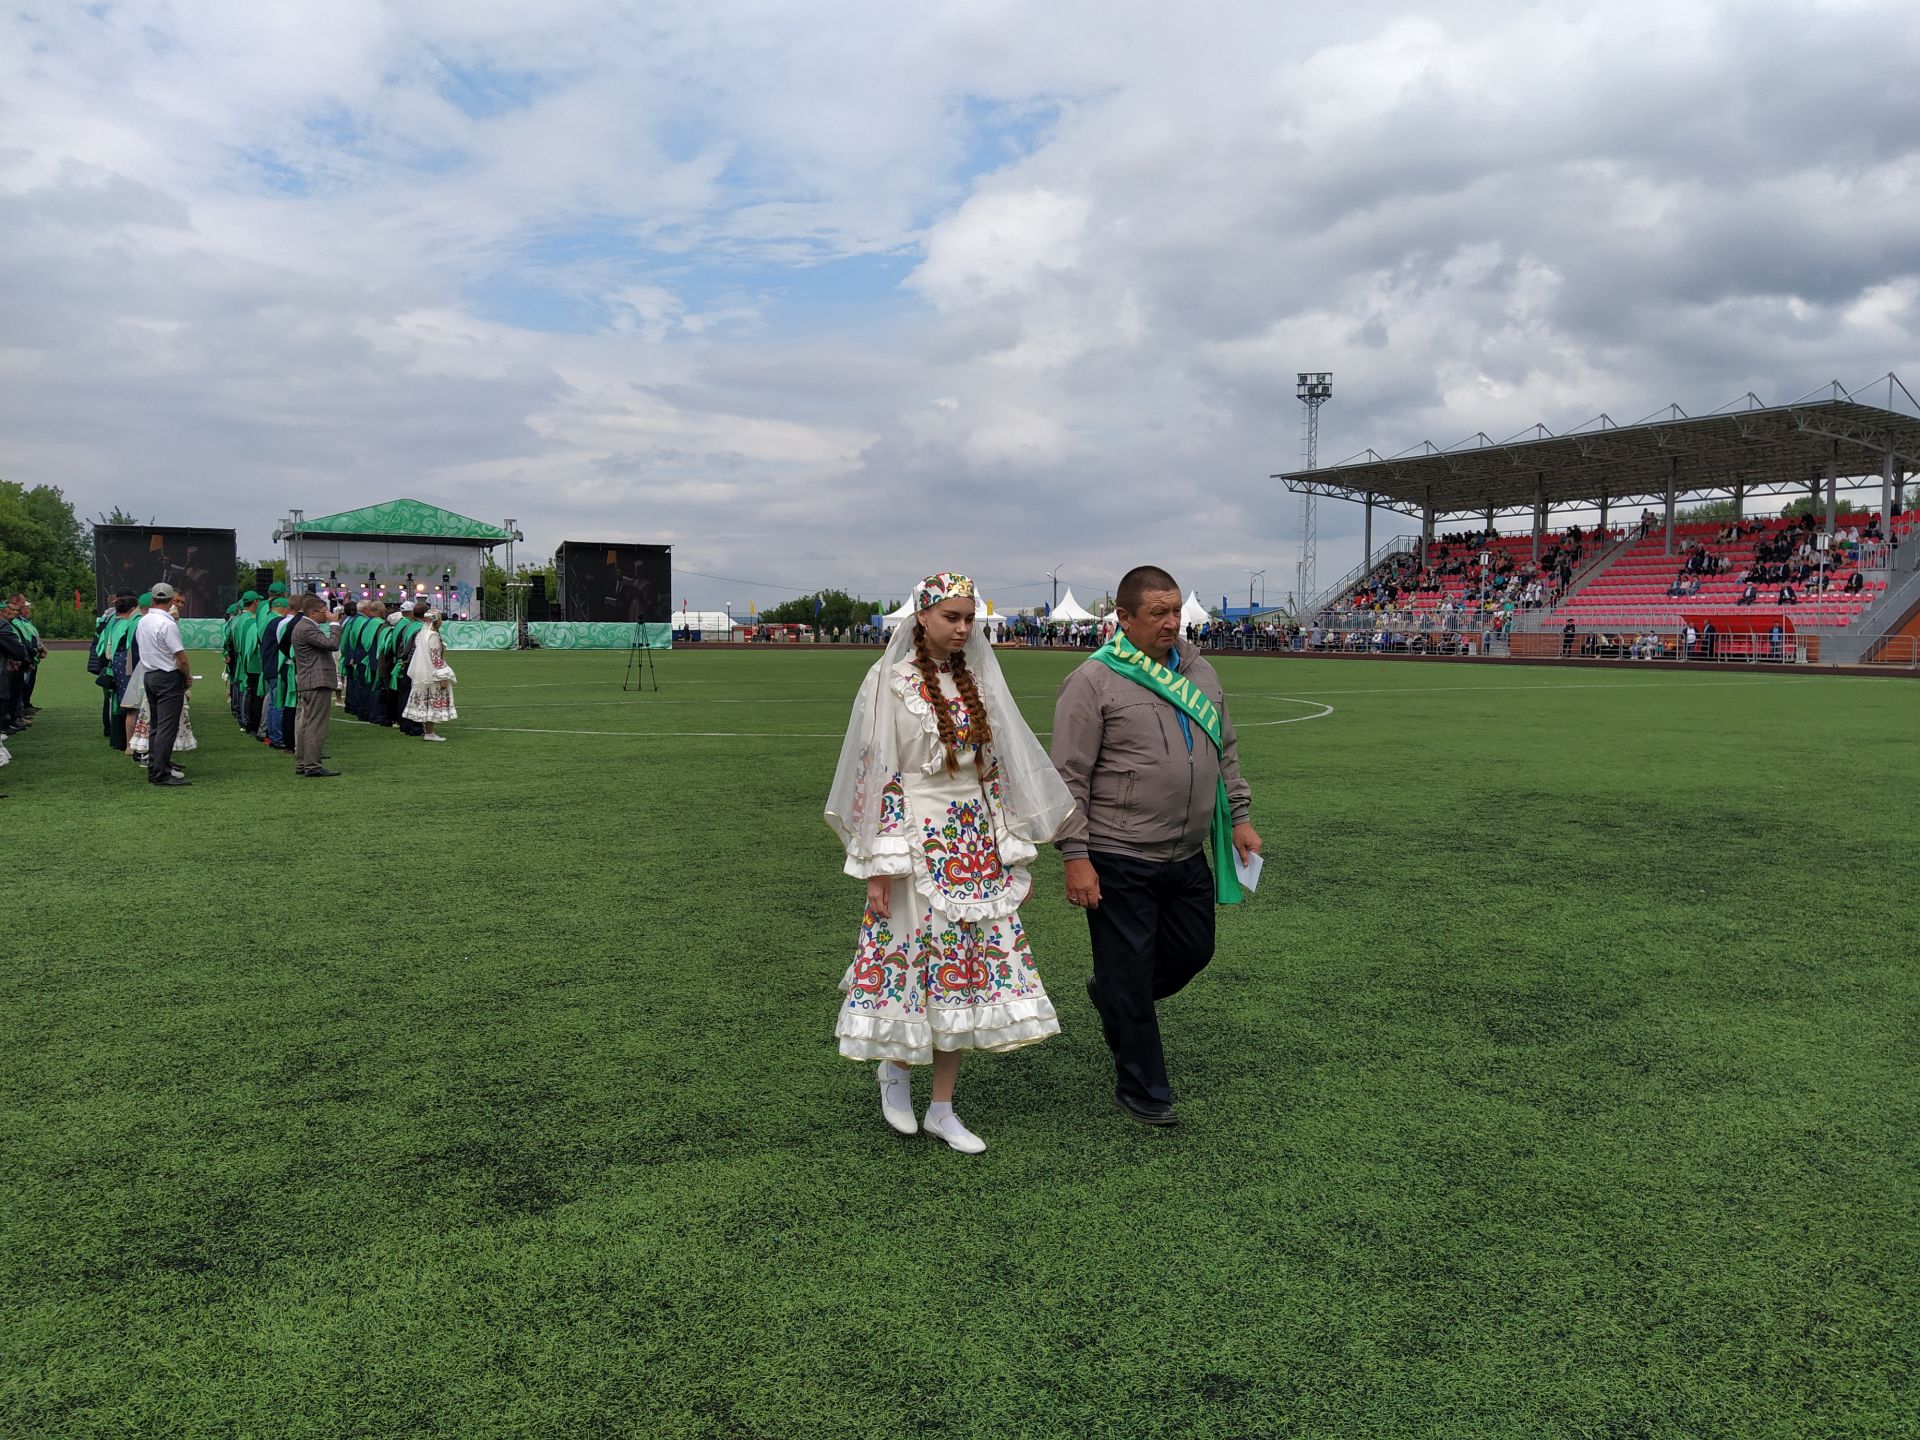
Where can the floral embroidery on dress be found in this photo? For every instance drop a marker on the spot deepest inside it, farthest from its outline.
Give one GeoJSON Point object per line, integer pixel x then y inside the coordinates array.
{"type": "Point", "coordinates": [893, 806]}
{"type": "Point", "coordinates": [879, 972]}
{"type": "Point", "coordinates": [962, 858]}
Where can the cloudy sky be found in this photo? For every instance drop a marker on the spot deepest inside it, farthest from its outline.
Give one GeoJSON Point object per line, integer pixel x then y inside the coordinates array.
{"type": "Point", "coordinates": [839, 293]}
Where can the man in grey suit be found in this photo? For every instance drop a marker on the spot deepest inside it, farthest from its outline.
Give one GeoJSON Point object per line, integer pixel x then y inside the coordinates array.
{"type": "Point", "coordinates": [316, 675]}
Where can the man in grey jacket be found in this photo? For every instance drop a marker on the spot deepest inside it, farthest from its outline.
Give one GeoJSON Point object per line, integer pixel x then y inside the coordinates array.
{"type": "Point", "coordinates": [1144, 785]}
{"type": "Point", "coordinates": [316, 674]}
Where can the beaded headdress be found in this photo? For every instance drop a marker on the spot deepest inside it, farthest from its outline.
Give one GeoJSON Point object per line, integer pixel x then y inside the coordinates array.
{"type": "Point", "coordinates": [944, 586]}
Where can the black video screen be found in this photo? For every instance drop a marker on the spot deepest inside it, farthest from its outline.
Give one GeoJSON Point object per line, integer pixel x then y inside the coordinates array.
{"type": "Point", "coordinates": [199, 564]}
{"type": "Point", "coordinates": [624, 584]}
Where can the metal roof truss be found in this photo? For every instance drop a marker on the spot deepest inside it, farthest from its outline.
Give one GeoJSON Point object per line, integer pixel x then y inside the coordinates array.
{"type": "Point", "coordinates": [1761, 450]}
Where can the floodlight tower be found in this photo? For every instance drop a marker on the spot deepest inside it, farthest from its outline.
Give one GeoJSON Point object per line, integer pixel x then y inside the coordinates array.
{"type": "Point", "coordinates": [1315, 388]}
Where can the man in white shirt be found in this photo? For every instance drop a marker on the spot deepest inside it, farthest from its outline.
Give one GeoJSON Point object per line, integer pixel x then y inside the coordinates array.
{"type": "Point", "coordinates": [166, 677]}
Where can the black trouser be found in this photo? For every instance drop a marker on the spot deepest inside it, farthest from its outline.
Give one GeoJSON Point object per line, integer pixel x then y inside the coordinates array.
{"type": "Point", "coordinates": [402, 693]}
{"type": "Point", "coordinates": [33, 676]}
{"type": "Point", "coordinates": [1152, 933]}
{"type": "Point", "coordinates": [166, 698]}
{"type": "Point", "coordinates": [256, 711]}
{"type": "Point", "coordinates": [385, 712]}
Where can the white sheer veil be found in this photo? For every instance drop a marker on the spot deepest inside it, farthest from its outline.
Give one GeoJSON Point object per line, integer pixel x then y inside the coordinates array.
{"type": "Point", "coordinates": [1032, 795]}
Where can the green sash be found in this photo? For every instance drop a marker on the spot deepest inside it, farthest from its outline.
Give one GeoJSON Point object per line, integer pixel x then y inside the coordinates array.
{"type": "Point", "coordinates": [1121, 656]}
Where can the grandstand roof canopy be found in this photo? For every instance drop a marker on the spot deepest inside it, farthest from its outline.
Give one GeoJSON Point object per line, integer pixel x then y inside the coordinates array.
{"type": "Point", "coordinates": [1765, 449]}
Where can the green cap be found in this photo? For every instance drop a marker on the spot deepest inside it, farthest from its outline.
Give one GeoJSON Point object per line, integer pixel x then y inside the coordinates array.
{"type": "Point", "coordinates": [234, 608]}
{"type": "Point", "coordinates": [279, 600]}
{"type": "Point", "coordinates": [250, 597]}
{"type": "Point", "coordinates": [146, 598]}
{"type": "Point", "coordinates": [278, 587]}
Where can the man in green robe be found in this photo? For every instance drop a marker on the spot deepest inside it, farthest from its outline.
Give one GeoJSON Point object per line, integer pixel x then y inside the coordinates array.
{"type": "Point", "coordinates": [29, 634]}
{"type": "Point", "coordinates": [231, 661]}
{"type": "Point", "coordinates": [246, 659]}
{"type": "Point", "coordinates": [399, 686]}
{"type": "Point", "coordinates": [353, 658]}
{"type": "Point", "coordinates": [116, 635]}
{"type": "Point", "coordinates": [379, 674]}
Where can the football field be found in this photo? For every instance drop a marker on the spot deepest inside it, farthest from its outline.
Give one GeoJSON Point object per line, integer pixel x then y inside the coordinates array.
{"type": "Point", "coordinates": [1563, 1079]}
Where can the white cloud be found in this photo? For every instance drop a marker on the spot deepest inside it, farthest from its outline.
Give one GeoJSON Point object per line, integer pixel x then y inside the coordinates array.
{"type": "Point", "coordinates": [613, 271]}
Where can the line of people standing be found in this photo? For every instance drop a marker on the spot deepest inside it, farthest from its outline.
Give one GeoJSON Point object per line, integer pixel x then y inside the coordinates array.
{"type": "Point", "coordinates": [394, 668]}
{"type": "Point", "coordinates": [21, 652]}
{"type": "Point", "coordinates": [282, 675]}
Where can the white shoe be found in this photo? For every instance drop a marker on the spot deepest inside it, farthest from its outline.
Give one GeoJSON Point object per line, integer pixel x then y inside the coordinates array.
{"type": "Point", "coordinates": [957, 1136]}
{"type": "Point", "coordinates": [433, 737]}
{"type": "Point", "coordinates": [896, 1097]}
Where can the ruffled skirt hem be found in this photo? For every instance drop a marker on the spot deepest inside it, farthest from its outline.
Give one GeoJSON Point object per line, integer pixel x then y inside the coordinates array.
{"type": "Point", "coordinates": [912, 1039]}
{"type": "Point", "coordinates": [996, 907]}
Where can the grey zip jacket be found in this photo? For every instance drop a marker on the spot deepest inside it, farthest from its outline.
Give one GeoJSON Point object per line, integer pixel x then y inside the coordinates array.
{"type": "Point", "coordinates": [1136, 789]}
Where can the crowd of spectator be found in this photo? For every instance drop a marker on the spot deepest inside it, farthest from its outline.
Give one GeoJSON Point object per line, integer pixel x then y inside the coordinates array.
{"type": "Point", "coordinates": [1481, 582]}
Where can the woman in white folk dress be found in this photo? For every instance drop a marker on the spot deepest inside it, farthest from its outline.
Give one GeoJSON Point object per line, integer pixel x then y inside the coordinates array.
{"type": "Point", "coordinates": [941, 798]}
{"type": "Point", "coordinates": [431, 699]}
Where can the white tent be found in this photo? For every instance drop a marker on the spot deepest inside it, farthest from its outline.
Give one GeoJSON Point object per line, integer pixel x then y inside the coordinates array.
{"type": "Point", "coordinates": [1069, 609]}
{"type": "Point", "coordinates": [1193, 612]}
{"type": "Point", "coordinates": [993, 624]}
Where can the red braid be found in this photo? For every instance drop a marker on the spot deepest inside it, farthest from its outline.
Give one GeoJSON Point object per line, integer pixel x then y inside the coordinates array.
{"type": "Point", "coordinates": [930, 677]}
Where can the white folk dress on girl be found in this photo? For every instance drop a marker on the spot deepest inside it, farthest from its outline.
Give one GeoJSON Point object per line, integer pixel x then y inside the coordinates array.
{"type": "Point", "coordinates": [951, 968]}
{"type": "Point", "coordinates": [431, 699]}
{"type": "Point", "coordinates": [140, 740]}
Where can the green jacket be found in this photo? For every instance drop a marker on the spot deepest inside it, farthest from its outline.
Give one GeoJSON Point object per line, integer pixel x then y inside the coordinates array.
{"type": "Point", "coordinates": [408, 629]}
{"type": "Point", "coordinates": [245, 631]}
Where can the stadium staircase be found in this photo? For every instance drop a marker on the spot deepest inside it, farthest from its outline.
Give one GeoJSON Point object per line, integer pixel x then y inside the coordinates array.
{"type": "Point", "coordinates": [1336, 593]}
{"type": "Point", "coordinates": [1895, 639]}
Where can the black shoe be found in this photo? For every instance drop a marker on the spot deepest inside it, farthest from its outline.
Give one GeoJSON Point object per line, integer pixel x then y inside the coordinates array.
{"type": "Point", "coordinates": [1148, 1112]}
{"type": "Point", "coordinates": [171, 780]}
{"type": "Point", "coordinates": [321, 774]}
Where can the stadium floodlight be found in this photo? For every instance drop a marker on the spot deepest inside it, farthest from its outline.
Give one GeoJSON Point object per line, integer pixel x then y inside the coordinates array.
{"type": "Point", "coordinates": [1314, 388]}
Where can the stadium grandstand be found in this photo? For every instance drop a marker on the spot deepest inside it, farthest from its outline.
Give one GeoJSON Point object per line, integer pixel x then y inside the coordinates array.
{"type": "Point", "coordinates": [1831, 586]}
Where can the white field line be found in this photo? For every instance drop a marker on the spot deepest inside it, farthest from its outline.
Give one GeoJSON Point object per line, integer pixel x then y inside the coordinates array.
{"type": "Point", "coordinates": [1322, 709]}
{"type": "Point", "coordinates": [667, 734]}
{"type": "Point", "coordinates": [1674, 684]}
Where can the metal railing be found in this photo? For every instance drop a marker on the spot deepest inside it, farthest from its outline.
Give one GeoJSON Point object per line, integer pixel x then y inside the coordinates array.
{"type": "Point", "coordinates": [1318, 640]}
{"type": "Point", "coordinates": [1399, 545]}
{"type": "Point", "coordinates": [1895, 652]}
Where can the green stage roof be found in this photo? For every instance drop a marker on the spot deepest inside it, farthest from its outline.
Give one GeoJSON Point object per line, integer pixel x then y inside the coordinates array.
{"type": "Point", "coordinates": [404, 520]}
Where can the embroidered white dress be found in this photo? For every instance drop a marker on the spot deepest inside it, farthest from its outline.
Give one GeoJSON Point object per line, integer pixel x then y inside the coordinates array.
{"type": "Point", "coordinates": [430, 701]}
{"type": "Point", "coordinates": [951, 968]}
{"type": "Point", "coordinates": [139, 742]}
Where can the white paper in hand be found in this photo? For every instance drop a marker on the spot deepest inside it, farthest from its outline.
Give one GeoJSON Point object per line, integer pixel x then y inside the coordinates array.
{"type": "Point", "coordinates": [1248, 870]}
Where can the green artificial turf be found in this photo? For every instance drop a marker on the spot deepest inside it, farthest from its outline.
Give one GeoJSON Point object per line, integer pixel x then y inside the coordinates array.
{"type": "Point", "coordinates": [1560, 1081]}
